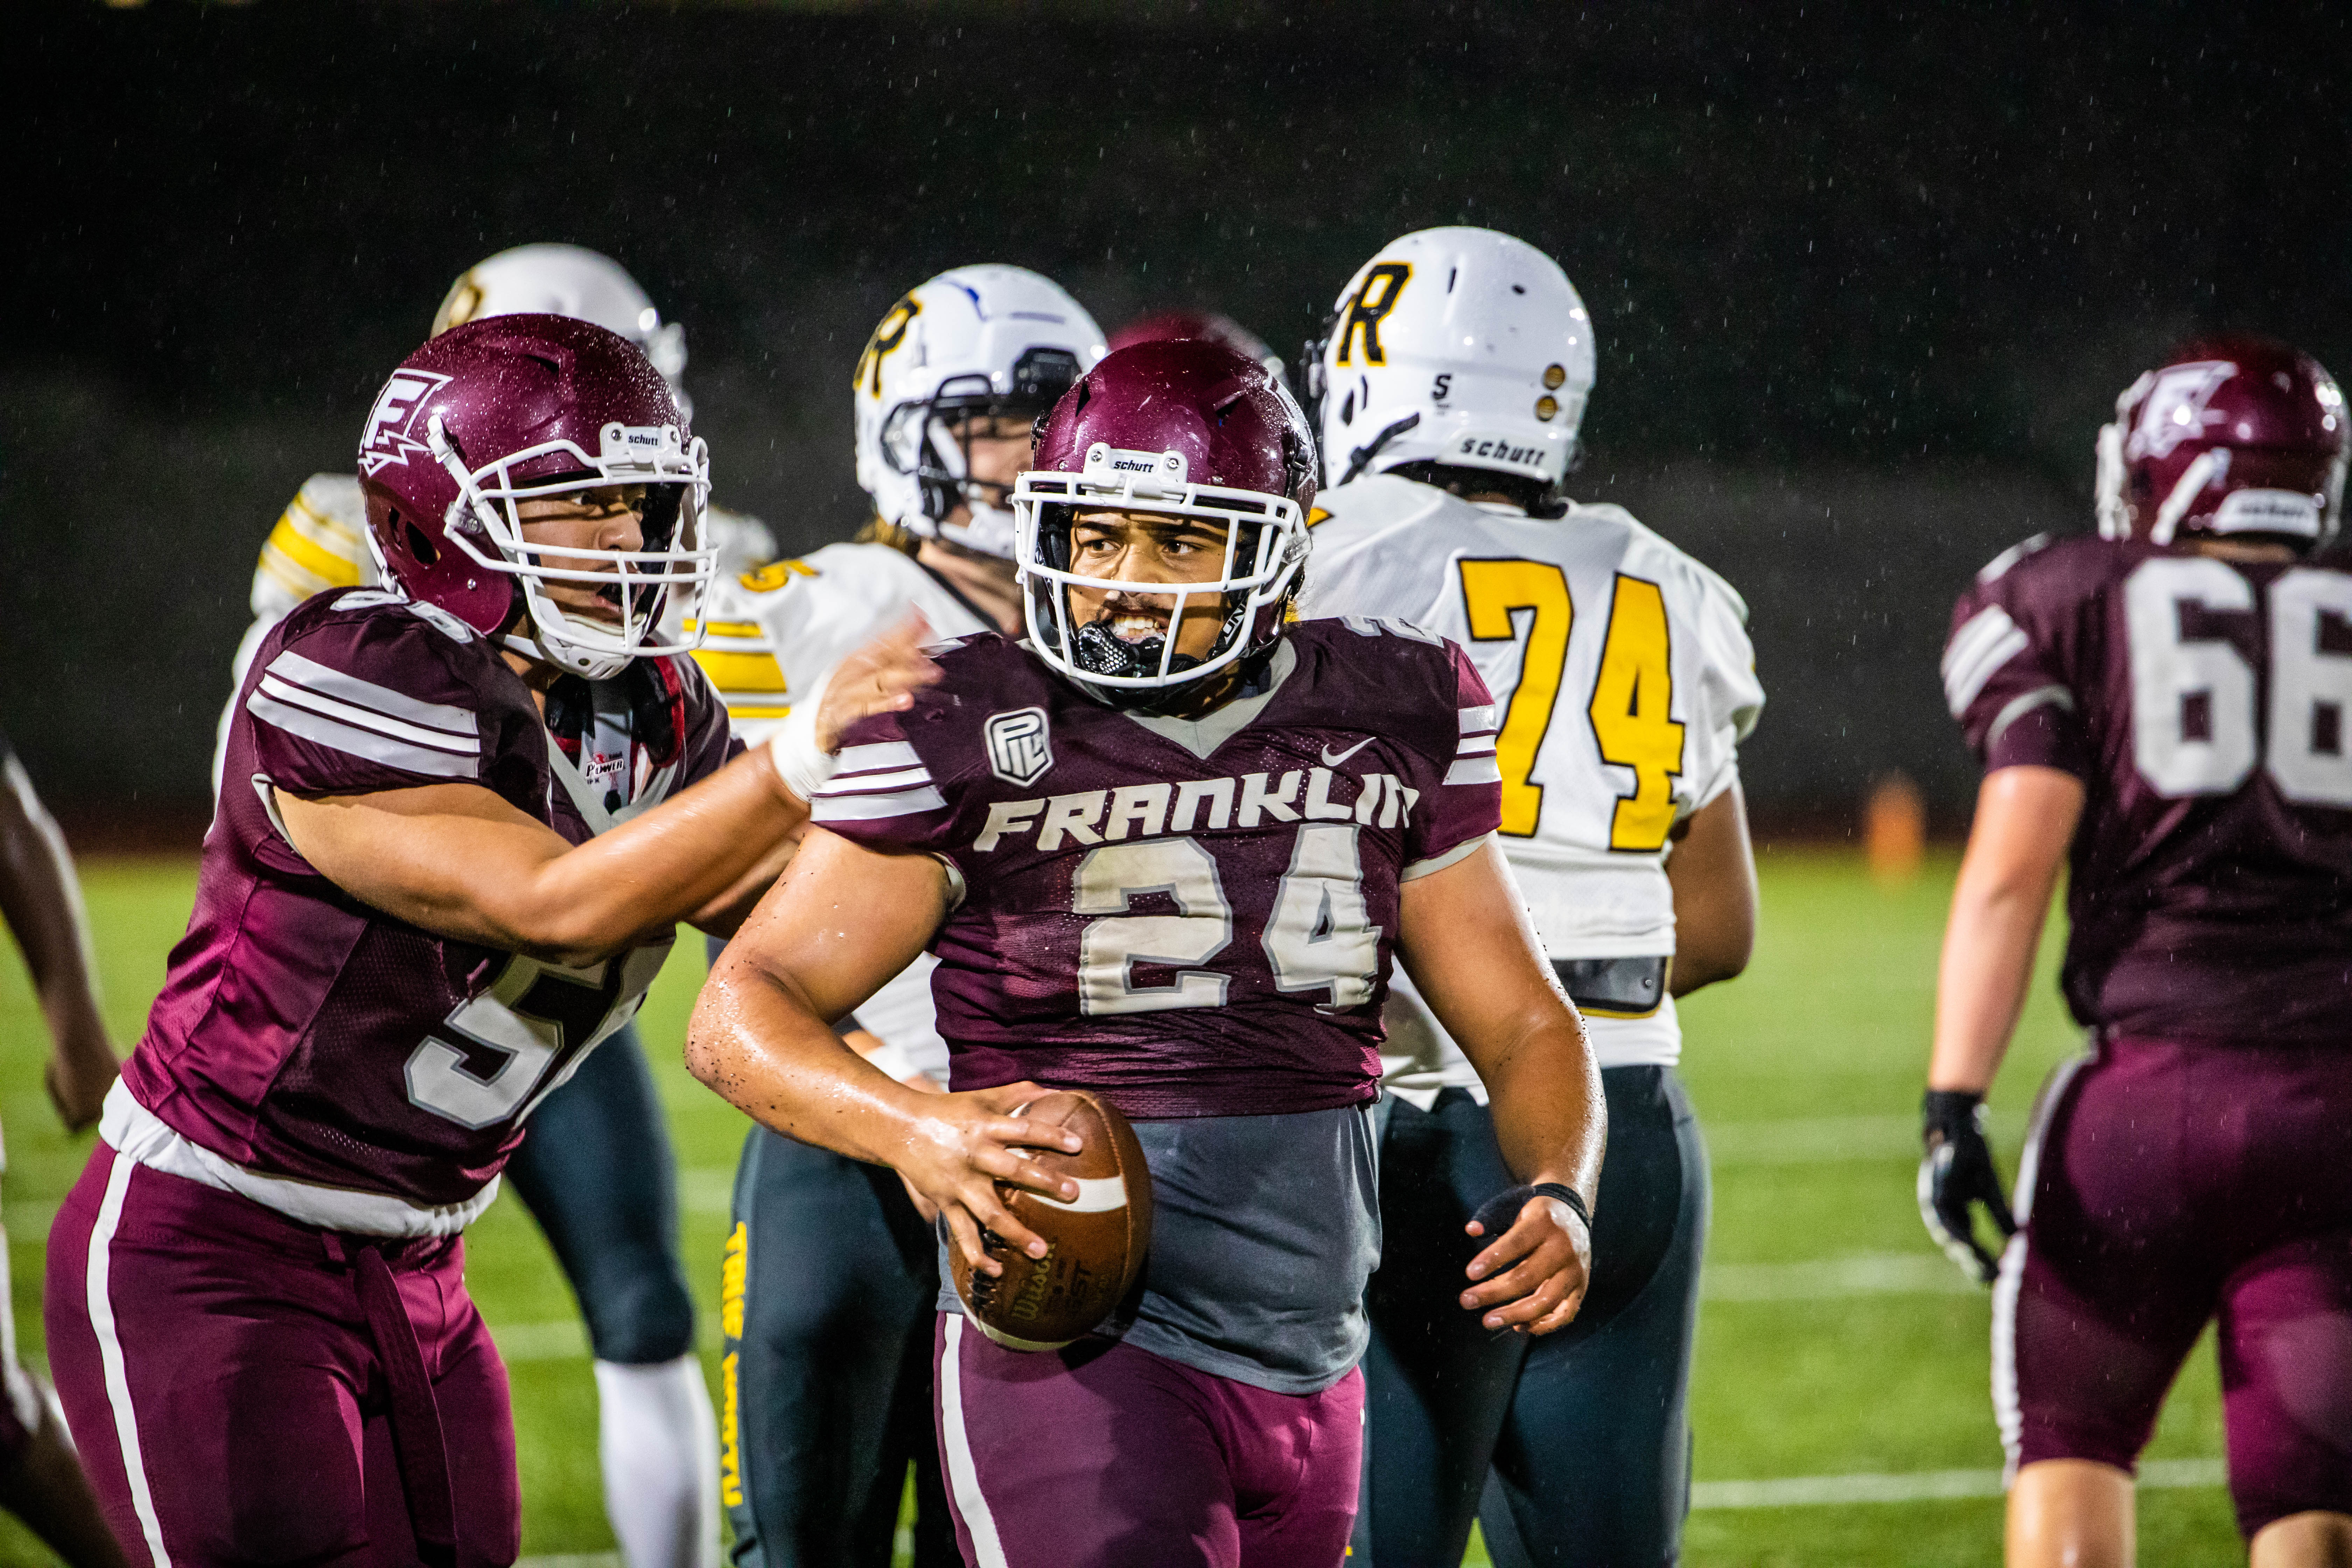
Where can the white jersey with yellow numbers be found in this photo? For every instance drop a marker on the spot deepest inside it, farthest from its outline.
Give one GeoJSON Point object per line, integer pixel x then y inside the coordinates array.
{"type": "Point", "coordinates": [1625, 681]}
{"type": "Point", "coordinates": [320, 543]}
{"type": "Point", "coordinates": [773, 634]}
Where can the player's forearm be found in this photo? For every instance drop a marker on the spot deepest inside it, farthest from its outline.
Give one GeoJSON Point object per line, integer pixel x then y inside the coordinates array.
{"type": "Point", "coordinates": [757, 1040]}
{"type": "Point", "coordinates": [1712, 871]}
{"type": "Point", "coordinates": [1981, 987]}
{"type": "Point", "coordinates": [458, 860]}
{"type": "Point", "coordinates": [657, 869]}
{"type": "Point", "coordinates": [2025, 821]}
{"type": "Point", "coordinates": [1544, 1088]}
{"type": "Point", "coordinates": [38, 901]}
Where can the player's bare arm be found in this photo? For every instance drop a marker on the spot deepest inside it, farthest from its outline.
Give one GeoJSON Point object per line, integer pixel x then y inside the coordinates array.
{"type": "Point", "coordinates": [36, 900]}
{"type": "Point", "coordinates": [1712, 872]}
{"type": "Point", "coordinates": [459, 860]}
{"type": "Point", "coordinates": [1466, 939]}
{"type": "Point", "coordinates": [2025, 821]}
{"type": "Point", "coordinates": [841, 921]}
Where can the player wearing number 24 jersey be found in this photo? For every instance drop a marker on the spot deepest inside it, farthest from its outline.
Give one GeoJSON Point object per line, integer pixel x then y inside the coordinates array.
{"type": "Point", "coordinates": [2162, 710]}
{"type": "Point", "coordinates": [1167, 849]}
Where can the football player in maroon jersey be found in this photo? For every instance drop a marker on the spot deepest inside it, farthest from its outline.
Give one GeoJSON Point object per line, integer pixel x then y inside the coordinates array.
{"type": "Point", "coordinates": [460, 818]}
{"type": "Point", "coordinates": [1166, 850]}
{"type": "Point", "coordinates": [2161, 710]}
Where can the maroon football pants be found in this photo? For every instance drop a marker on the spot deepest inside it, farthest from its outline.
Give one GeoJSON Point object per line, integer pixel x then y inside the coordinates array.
{"type": "Point", "coordinates": [1103, 1456]}
{"type": "Point", "coordinates": [234, 1402]}
{"type": "Point", "coordinates": [2166, 1187]}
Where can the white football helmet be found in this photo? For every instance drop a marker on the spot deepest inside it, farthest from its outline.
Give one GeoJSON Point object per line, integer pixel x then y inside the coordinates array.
{"type": "Point", "coordinates": [973, 341]}
{"type": "Point", "coordinates": [568, 280]}
{"type": "Point", "coordinates": [1460, 347]}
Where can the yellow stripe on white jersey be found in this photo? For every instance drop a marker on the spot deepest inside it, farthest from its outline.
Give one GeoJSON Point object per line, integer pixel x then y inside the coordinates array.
{"type": "Point", "coordinates": [741, 663]}
{"type": "Point", "coordinates": [778, 629]}
{"type": "Point", "coordinates": [319, 543]}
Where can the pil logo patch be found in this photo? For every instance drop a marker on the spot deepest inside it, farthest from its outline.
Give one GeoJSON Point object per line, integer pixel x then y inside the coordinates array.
{"type": "Point", "coordinates": [389, 437]}
{"type": "Point", "coordinates": [1019, 748]}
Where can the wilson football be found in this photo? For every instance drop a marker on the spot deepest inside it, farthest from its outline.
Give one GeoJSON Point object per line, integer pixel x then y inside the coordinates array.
{"type": "Point", "coordinates": [1097, 1242]}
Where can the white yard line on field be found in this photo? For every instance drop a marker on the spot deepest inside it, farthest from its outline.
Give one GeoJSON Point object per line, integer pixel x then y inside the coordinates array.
{"type": "Point", "coordinates": [1919, 1273]}
{"type": "Point", "coordinates": [1919, 1486]}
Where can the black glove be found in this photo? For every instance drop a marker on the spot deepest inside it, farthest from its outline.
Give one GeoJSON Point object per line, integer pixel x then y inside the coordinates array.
{"type": "Point", "coordinates": [1958, 1171]}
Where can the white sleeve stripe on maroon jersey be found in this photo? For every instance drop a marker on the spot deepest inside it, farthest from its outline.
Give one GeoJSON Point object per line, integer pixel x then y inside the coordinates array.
{"type": "Point", "coordinates": [866, 783]}
{"type": "Point", "coordinates": [875, 756]}
{"type": "Point", "coordinates": [371, 745]}
{"type": "Point", "coordinates": [1474, 770]}
{"type": "Point", "coordinates": [467, 744]}
{"type": "Point", "coordinates": [875, 807]}
{"type": "Point", "coordinates": [340, 684]}
{"type": "Point", "coordinates": [1473, 745]}
{"type": "Point", "coordinates": [1986, 642]}
{"type": "Point", "coordinates": [1479, 717]}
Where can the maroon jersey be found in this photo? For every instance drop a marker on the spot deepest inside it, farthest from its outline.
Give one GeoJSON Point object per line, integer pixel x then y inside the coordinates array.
{"type": "Point", "coordinates": [2204, 704]}
{"type": "Point", "coordinates": [1192, 918]}
{"type": "Point", "coordinates": [302, 1033]}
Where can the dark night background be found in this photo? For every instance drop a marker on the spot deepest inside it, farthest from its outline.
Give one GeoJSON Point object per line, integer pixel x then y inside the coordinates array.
{"type": "Point", "coordinates": [1865, 280]}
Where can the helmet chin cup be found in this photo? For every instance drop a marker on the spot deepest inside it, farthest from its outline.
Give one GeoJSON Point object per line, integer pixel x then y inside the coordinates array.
{"type": "Point", "coordinates": [987, 531]}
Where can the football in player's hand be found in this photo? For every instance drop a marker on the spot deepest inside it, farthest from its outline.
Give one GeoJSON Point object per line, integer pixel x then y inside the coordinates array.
{"type": "Point", "coordinates": [1096, 1242]}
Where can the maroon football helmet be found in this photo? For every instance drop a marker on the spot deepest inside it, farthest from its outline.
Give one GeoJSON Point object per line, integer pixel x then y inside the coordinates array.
{"type": "Point", "coordinates": [1183, 427]}
{"type": "Point", "coordinates": [1213, 326]}
{"type": "Point", "coordinates": [507, 407]}
{"type": "Point", "coordinates": [2236, 434]}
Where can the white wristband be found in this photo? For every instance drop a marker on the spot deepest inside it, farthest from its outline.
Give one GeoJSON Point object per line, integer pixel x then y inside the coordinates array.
{"type": "Point", "coordinates": [799, 760]}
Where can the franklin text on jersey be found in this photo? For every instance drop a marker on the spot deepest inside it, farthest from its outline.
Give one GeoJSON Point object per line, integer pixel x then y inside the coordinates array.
{"type": "Point", "coordinates": [315, 1042]}
{"type": "Point", "coordinates": [1191, 917]}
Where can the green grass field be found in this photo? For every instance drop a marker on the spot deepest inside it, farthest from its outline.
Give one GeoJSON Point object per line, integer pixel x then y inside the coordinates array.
{"type": "Point", "coordinates": [1835, 1341]}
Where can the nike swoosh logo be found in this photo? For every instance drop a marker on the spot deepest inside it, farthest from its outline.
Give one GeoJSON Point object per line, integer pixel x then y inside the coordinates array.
{"type": "Point", "coordinates": [1331, 761]}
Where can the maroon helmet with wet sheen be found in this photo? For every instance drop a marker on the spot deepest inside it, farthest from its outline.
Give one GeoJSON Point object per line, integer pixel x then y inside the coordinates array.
{"type": "Point", "coordinates": [1183, 428]}
{"type": "Point", "coordinates": [1213, 325]}
{"type": "Point", "coordinates": [509, 407]}
{"type": "Point", "coordinates": [2236, 434]}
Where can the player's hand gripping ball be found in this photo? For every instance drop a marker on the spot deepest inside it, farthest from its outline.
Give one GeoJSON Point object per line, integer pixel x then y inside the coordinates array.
{"type": "Point", "coordinates": [1096, 1242]}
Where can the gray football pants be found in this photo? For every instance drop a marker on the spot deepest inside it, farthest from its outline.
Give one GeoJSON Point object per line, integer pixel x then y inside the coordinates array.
{"type": "Point", "coordinates": [1579, 1442]}
{"type": "Point", "coordinates": [833, 1366]}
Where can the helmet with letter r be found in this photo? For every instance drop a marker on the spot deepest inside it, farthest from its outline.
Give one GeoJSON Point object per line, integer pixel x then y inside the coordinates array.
{"type": "Point", "coordinates": [973, 348]}
{"type": "Point", "coordinates": [501, 411]}
{"type": "Point", "coordinates": [2237, 436]}
{"type": "Point", "coordinates": [1175, 432]}
{"type": "Point", "coordinates": [1458, 356]}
